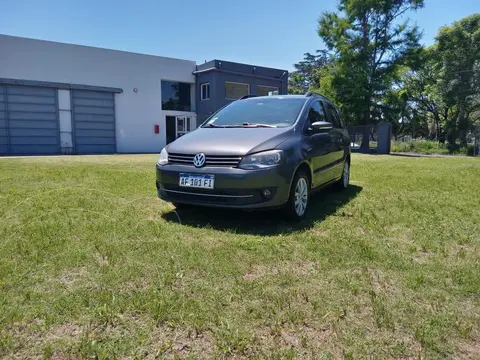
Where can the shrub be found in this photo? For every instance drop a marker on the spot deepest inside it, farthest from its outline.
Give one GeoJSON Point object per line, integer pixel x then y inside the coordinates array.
{"type": "Point", "coordinates": [430, 147]}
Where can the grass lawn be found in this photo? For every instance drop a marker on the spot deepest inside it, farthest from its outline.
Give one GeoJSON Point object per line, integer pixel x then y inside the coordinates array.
{"type": "Point", "coordinates": [93, 265]}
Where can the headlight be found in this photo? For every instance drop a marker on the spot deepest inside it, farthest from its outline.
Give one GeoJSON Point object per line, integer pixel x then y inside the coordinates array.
{"type": "Point", "coordinates": [163, 158]}
{"type": "Point", "coordinates": [261, 160]}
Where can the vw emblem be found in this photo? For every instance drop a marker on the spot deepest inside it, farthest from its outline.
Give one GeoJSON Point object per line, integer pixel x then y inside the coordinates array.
{"type": "Point", "coordinates": [199, 160]}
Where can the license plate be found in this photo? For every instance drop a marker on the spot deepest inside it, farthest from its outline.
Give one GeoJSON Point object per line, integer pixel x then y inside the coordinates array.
{"type": "Point", "coordinates": [197, 181]}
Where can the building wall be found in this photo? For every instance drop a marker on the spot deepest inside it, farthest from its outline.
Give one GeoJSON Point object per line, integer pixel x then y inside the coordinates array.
{"type": "Point", "coordinates": [252, 81]}
{"type": "Point", "coordinates": [217, 72]}
{"type": "Point", "coordinates": [207, 107]}
{"type": "Point", "coordinates": [136, 112]}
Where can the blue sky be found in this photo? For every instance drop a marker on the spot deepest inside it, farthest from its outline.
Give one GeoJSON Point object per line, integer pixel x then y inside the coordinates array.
{"type": "Point", "coordinates": [272, 33]}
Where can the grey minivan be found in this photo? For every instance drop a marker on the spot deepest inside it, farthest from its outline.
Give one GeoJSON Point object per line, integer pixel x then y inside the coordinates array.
{"type": "Point", "coordinates": [261, 152]}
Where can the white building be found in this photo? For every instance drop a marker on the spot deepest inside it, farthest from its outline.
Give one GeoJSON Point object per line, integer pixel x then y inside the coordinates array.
{"type": "Point", "coordinates": [63, 98]}
{"type": "Point", "coordinates": [137, 104]}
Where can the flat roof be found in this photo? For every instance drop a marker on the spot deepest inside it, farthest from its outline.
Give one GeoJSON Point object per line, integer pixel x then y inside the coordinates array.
{"type": "Point", "coordinates": [209, 64]}
{"type": "Point", "coordinates": [92, 47]}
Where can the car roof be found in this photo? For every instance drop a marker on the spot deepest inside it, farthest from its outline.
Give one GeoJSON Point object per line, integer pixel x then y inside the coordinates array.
{"type": "Point", "coordinates": [276, 97]}
{"type": "Point", "coordinates": [309, 95]}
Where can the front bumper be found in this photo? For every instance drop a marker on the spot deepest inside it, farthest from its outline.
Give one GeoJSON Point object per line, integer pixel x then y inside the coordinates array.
{"type": "Point", "coordinates": [234, 188]}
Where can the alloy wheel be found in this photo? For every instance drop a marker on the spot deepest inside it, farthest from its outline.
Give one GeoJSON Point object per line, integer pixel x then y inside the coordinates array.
{"type": "Point", "coordinates": [301, 196]}
{"type": "Point", "coordinates": [346, 174]}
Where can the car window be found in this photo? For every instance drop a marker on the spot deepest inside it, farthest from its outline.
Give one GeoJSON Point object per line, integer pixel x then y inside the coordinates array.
{"type": "Point", "coordinates": [335, 118]}
{"type": "Point", "coordinates": [342, 123]}
{"type": "Point", "coordinates": [316, 113]}
{"type": "Point", "coordinates": [276, 111]}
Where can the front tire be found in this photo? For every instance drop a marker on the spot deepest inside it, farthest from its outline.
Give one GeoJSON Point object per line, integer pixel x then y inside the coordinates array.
{"type": "Point", "coordinates": [297, 203]}
{"type": "Point", "coordinates": [344, 181]}
{"type": "Point", "coordinates": [181, 206]}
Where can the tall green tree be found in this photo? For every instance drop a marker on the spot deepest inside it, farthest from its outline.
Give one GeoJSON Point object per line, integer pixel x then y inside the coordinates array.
{"type": "Point", "coordinates": [458, 51]}
{"type": "Point", "coordinates": [370, 42]}
{"type": "Point", "coordinates": [423, 89]}
{"type": "Point", "coordinates": [307, 72]}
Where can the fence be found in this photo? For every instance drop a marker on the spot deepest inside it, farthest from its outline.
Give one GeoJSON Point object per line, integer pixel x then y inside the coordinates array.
{"type": "Point", "coordinates": [476, 141]}
{"type": "Point", "coordinates": [423, 145]}
{"type": "Point", "coordinates": [377, 139]}
{"type": "Point", "coordinates": [371, 138]}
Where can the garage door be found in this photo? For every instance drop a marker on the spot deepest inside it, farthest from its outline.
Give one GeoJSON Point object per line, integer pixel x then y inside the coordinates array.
{"type": "Point", "coordinates": [3, 123]}
{"type": "Point", "coordinates": [29, 120]}
{"type": "Point", "coordinates": [94, 122]}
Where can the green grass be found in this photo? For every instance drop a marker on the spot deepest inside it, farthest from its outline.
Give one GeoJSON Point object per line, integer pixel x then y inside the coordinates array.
{"type": "Point", "coordinates": [429, 147]}
{"type": "Point", "coordinates": [93, 265]}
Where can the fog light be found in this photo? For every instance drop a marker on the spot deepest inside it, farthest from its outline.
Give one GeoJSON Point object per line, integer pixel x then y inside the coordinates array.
{"type": "Point", "coordinates": [267, 193]}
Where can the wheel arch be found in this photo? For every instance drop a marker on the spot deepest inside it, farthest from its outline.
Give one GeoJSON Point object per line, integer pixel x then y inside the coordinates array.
{"type": "Point", "coordinates": [303, 166]}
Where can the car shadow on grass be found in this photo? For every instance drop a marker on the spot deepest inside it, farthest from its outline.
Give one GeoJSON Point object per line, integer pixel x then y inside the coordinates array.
{"type": "Point", "coordinates": [267, 223]}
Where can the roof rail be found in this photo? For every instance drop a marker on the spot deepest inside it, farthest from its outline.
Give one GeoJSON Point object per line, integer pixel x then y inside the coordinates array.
{"type": "Point", "coordinates": [247, 96]}
{"type": "Point", "coordinates": [313, 93]}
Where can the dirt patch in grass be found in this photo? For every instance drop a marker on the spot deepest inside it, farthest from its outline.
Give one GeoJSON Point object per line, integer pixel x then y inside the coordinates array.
{"type": "Point", "coordinates": [134, 285]}
{"type": "Point", "coordinates": [468, 350]}
{"type": "Point", "coordinates": [171, 343]}
{"type": "Point", "coordinates": [382, 283]}
{"type": "Point", "coordinates": [250, 277]}
{"type": "Point", "coordinates": [301, 268]}
{"type": "Point", "coordinates": [68, 331]}
{"type": "Point", "coordinates": [70, 277]}
{"type": "Point", "coordinates": [309, 342]}
{"type": "Point", "coordinates": [29, 340]}
{"type": "Point", "coordinates": [422, 257]}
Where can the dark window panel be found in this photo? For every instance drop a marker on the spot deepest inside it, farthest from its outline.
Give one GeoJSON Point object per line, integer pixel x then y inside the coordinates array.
{"type": "Point", "coordinates": [176, 96]}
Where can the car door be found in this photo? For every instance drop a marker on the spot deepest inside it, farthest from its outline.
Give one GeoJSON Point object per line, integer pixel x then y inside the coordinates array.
{"type": "Point", "coordinates": [339, 140]}
{"type": "Point", "coordinates": [317, 145]}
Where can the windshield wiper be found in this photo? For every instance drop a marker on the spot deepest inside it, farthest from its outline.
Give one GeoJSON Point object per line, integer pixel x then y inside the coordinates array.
{"type": "Point", "coordinates": [258, 125]}
{"type": "Point", "coordinates": [219, 126]}
{"type": "Point", "coordinates": [245, 124]}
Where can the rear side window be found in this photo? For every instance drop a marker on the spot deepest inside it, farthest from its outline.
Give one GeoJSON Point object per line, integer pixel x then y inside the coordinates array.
{"type": "Point", "coordinates": [334, 117]}
{"type": "Point", "coordinates": [316, 113]}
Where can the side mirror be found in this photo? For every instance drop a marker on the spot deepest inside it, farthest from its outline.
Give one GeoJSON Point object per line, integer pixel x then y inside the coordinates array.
{"type": "Point", "coordinates": [320, 126]}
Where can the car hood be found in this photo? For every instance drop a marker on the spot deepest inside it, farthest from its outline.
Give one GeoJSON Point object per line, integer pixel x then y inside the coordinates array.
{"type": "Point", "coordinates": [229, 141]}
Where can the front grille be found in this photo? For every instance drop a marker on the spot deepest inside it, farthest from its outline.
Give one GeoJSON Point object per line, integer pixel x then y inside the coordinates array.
{"type": "Point", "coordinates": [173, 192]}
{"type": "Point", "coordinates": [215, 192]}
{"type": "Point", "coordinates": [210, 160]}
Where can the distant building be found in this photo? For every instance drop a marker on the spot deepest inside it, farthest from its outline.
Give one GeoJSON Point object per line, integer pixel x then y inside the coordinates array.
{"type": "Point", "coordinates": [63, 98]}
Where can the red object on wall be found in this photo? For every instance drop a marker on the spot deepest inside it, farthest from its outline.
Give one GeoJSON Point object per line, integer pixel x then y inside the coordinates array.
{"type": "Point", "coordinates": [157, 129]}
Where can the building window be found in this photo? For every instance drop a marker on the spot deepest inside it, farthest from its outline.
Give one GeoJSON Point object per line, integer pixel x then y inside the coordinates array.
{"type": "Point", "coordinates": [183, 124]}
{"type": "Point", "coordinates": [176, 96]}
{"type": "Point", "coordinates": [263, 90]}
{"type": "Point", "coordinates": [205, 91]}
{"type": "Point", "coordinates": [235, 90]}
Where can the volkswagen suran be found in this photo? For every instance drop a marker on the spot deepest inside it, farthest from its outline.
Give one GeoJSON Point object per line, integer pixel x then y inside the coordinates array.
{"type": "Point", "coordinates": [261, 152]}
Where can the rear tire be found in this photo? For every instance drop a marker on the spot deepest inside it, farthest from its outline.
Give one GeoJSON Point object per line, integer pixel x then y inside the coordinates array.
{"type": "Point", "coordinates": [297, 204]}
{"type": "Point", "coordinates": [344, 181]}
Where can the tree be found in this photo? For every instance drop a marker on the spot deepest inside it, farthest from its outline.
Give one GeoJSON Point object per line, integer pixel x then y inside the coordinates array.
{"type": "Point", "coordinates": [424, 92]}
{"type": "Point", "coordinates": [458, 51]}
{"type": "Point", "coordinates": [369, 43]}
{"type": "Point", "coordinates": [446, 88]}
{"type": "Point", "coordinates": [306, 74]}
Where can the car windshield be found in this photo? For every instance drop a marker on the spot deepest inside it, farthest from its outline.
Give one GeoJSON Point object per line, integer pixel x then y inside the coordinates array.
{"type": "Point", "coordinates": [258, 112]}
